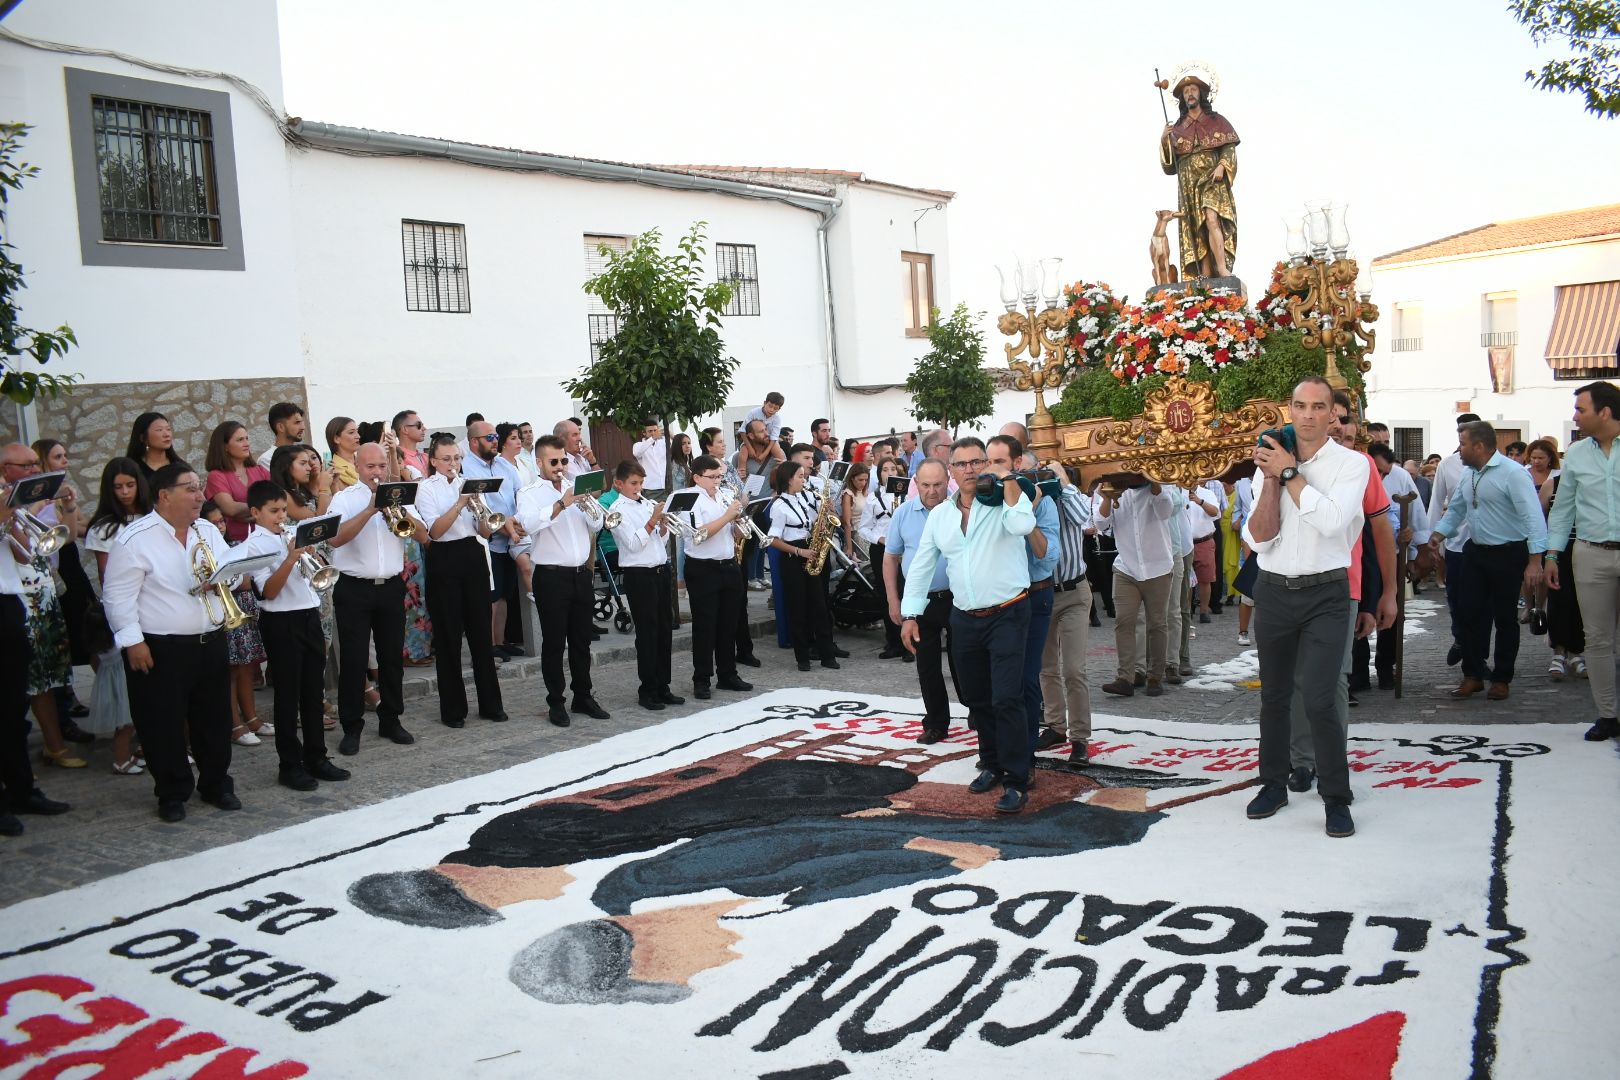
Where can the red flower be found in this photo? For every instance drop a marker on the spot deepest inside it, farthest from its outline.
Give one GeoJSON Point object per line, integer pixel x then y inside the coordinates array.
{"type": "Point", "coordinates": [1223, 356]}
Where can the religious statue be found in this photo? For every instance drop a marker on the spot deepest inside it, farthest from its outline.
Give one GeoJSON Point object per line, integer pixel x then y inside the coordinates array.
{"type": "Point", "coordinates": [1200, 151]}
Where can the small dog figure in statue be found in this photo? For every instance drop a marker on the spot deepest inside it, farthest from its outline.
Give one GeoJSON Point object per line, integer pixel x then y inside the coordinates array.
{"type": "Point", "coordinates": [1164, 271]}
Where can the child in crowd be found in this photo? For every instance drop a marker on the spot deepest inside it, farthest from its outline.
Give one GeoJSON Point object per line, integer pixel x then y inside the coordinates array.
{"type": "Point", "coordinates": [290, 623]}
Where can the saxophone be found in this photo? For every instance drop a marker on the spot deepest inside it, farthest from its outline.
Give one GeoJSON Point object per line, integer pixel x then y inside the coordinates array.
{"type": "Point", "coordinates": [822, 536]}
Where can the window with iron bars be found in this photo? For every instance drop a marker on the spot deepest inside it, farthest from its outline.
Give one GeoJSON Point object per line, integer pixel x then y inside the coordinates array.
{"type": "Point", "coordinates": [603, 329]}
{"type": "Point", "coordinates": [435, 267]}
{"type": "Point", "coordinates": [1408, 444]}
{"type": "Point", "coordinates": [155, 169]}
{"type": "Point", "coordinates": [739, 268]}
{"type": "Point", "coordinates": [601, 322]}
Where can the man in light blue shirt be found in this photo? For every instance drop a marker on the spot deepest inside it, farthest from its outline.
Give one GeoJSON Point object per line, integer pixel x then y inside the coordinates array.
{"type": "Point", "coordinates": [1497, 499]}
{"type": "Point", "coordinates": [989, 576]}
{"type": "Point", "coordinates": [934, 624]}
{"type": "Point", "coordinates": [486, 461]}
{"type": "Point", "coordinates": [1588, 502]}
{"type": "Point", "coordinates": [1006, 454]}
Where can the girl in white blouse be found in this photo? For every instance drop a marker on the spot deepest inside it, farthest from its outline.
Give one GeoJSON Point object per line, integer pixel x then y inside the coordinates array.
{"type": "Point", "coordinates": [123, 499]}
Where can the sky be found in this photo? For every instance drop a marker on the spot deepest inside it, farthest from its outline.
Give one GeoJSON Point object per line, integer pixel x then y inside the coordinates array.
{"type": "Point", "coordinates": [1414, 114]}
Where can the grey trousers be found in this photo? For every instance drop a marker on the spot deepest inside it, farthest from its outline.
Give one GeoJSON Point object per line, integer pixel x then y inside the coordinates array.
{"type": "Point", "coordinates": [1597, 579]}
{"type": "Point", "coordinates": [1301, 750]}
{"type": "Point", "coordinates": [1302, 629]}
{"type": "Point", "coordinates": [1065, 690]}
{"type": "Point", "coordinates": [1175, 622]}
{"type": "Point", "coordinates": [1131, 597]}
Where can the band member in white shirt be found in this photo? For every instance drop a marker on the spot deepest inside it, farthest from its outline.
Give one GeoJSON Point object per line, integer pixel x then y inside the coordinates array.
{"type": "Point", "coordinates": [644, 563]}
{"type": "Point", "coordinates": [649, 454]}
{"type": "Point", "coordinates": [175, 661]}
{"type": "Point", "coordinates": [290, 623]}
{"type": "Point", "coordinates": [714, 585]}
{"type": "Point", "coordinates": [793, 515]}
{"type": "Point", "coordinates": [457, 587]}
{"type": "Point", "coordinates": [873, 530]}
{"type": "Point", "coordinates": [564, 537]}
{"type": "Point", "coordinates": [369, 601]}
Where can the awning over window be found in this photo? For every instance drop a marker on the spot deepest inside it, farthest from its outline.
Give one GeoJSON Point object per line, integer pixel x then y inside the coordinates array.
{"type": "Point", "coordinates": [1586, 327]}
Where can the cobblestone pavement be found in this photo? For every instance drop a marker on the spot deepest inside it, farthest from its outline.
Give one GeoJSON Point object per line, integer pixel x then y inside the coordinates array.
{"type": "Point", "coordinates": [114, 826]}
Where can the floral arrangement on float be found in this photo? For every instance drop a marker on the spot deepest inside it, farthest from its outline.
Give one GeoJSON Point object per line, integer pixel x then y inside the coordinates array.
{"type": "Point", "coordinates": [1093, 311]}
{"type": "Point", "coordinates": [1177, 334]}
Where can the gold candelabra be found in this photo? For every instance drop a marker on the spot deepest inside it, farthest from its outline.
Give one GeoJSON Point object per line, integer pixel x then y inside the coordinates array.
{"type": "Point", "coordinates": [1323, 298]}
{"type": "Point", "coordinates": [1041, 333]}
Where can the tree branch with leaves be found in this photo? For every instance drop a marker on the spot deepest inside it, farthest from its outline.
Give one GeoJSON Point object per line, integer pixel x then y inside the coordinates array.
{"type": "Point", "coordinates": [21, 345]}
{"type": "Point", "coordinates": [949, 385]}
{"type": "Point", "coordinates": [1590, 30]}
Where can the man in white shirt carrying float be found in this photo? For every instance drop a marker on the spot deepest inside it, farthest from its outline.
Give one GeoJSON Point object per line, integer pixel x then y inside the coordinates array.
{"type": "Point", "coordinates": [1306, 515]}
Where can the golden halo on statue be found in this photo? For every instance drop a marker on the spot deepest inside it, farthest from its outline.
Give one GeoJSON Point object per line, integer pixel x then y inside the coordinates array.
{"type": "Point", "coordinates": [1196, 71]}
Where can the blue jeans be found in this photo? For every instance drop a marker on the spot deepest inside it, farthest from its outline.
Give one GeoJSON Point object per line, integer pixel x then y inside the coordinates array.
{"type": "Point", "coordinates": [988, 654]}
{"type": "Point", "coordinates": [784, 625]}
{"type": "Point", "coordinates": [1454, 575]}
{"type": "Point", "coordinates": [1040, 620]}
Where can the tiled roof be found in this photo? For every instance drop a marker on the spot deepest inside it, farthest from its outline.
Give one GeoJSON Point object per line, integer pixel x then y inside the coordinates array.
{"type": "Point", "coordinates": [818, 180]}
{"type": "Point", "coordinates": [1515, 233]}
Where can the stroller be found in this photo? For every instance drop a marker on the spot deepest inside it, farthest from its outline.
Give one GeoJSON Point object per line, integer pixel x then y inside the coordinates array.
{"type": "Point", "coordinates": [609, 600]}
{"type": "Point", "coordinates": [856, 601]}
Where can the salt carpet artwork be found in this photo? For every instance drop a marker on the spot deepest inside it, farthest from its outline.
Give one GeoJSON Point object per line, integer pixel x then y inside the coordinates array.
{"type": "Point", "coordinates": [792, 887]}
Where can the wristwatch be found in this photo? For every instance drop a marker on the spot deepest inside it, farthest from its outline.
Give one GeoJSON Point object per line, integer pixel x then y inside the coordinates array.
{"type": "Point", "coordinates": [1288, 474]}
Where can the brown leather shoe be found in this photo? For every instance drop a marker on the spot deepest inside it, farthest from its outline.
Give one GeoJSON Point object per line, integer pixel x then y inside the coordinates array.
{"type": "Point", "coordinates": [1468, 689]}
{"type": "Point", "coordinates": [1120, 688]}
{"type": "Point", "coordinates": [1498, 691]}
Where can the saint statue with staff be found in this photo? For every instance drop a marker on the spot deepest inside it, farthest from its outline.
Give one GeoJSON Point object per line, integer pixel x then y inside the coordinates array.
{"type": "Point", "coordinates": [1200, 151]}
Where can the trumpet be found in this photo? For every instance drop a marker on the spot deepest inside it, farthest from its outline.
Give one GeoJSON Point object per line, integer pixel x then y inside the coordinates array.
{"type": "Point", "coordinates": [320, 574]}
{"type": "Point", "coordinates": [38, 538]}
{"type": "Point", "coordinates": [610, 518]}
{"type": "Point", "coordinates": [746, 524]}
{"type": "Point", "coordinates": [685, 530]}
{"type": "Point", "coordinates": [399, 522]}
{"type": "Point", "coordinates": [223, 612]}
{"type": "Point", "coordinates": [490, 519]}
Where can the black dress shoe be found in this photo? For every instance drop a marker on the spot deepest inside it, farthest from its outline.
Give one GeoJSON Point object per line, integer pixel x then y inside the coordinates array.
{"type": "Point", "coordinates": [1301, 778]}
{"type": "Point", "coordinates": [1272, 797]}
{"type": "Point", "coordinates": [840, 652]}
{"type": "Point", "coordinates": [1080, 756]}
{"type": "Point", "coordinates": [590, 708]}
{"type": "Point", "coordinates": [457, 722]}
{"type": "Point", "coordinates": [893, 652]}
{"type": "Point", "coordinates": [983, 782]}
{"type": "Point", "coordinates": [1386, 682]}
{"type": "Point", "coordinates": [1339, 822]}
{"type": "Point", "coordinates": [929, 736]}
{"type": "Point", "coordinates": [701, 691]}
{"type": "Point", "coordinates": [325, 770]}
{"type": "Point", "coordinates": [78, 711]}
{"type": "Point", "coordinates": [804, 665]}
{"type": "Point", "coordinates": [37, 803]}
{"type": "Point", "coordinates": [650, 703]}
{"type": "Point", "coordinates": [749, 661]}
{"type": "Point", "coordinates": [10, 825]}
{"type": "Point", "coordinates": [1606, 728]}
{"type": "Point", "coordinates": [225, 800]}
{"type": "Point", "coordinates": [1048, 739]}
{"type": "Point", "coordinates": [398, 734]}
{"type": "Point", "coordinates": [349, 745]}
{"type": "Point", "coordinates": [1095, 622]}
{"type": "Point", "coordinates": [559, 716]}
{"type": "Point", "coordinates": [831, 663]}
{"type": "Point", "coordinates": [908, 659]}
{"type": "Point", "coordinates": [671, 699]}
{"type": "Point", "coordinates": [172, 811]}
{"type": "Point", "coordinates": [731, 682]}
{"type": "Point", "coordinates": [297, 778]}
{"type": "Point", "coordinates": [1012, 801]}
{"type": "Point", "coordinates": [495, 718]}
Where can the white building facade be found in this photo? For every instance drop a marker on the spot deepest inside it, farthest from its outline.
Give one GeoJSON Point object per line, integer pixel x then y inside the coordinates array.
{"type": "Point", "coordinates": [1504, 321]}
{"type": "Point", "coordinates": [214, 256]}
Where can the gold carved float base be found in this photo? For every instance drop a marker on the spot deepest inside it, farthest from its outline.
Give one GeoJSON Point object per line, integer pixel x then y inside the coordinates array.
{"type": "Point", "coordinates": [1180, 438]}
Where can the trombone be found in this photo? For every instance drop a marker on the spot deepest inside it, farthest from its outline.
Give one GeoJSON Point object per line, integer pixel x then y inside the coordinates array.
{"type": "Point", "coordinates": [223, 611]}
{"type": "Point", "coordinates": [320, 574]}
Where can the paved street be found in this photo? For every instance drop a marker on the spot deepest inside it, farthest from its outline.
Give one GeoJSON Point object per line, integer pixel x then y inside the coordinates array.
{"type": "Point", "coordinates": [114, 827]}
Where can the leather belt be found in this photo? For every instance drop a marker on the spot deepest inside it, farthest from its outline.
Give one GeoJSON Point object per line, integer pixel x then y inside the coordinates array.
{"type": "Point", "coordinates": [1044, 583]}
{"type": "Point", "coordinates": [712, 562]}
{"type": "Point", "coordinates": [1606, 545]}
{"type": "Point", "coordinates": [367, 580]}
{"type": "Point", "coordinates": [1210, 539]}
{"type": "Point", "coordinates": [985, 612]}
{"type": "Point", "coordinates": [644, 569]}
{"type": "Point", "coordinates": [940, 594]}
{"type": "Point", "coordinates": [1305, 581]}
{"type": "Point", "coordinates": [1070, 586]}
{"type": "Point", "coordinates": [584, 569]}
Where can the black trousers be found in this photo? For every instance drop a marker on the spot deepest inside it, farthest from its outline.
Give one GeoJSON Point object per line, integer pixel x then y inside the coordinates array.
{"type": "Point", "coordinates": [807, 614]}
{"type": "Point", "coordinates": [297, 652]}
{"type": "Point", "coordinates": [933, 652]}
{"type": "Point", "coordinates": [16, 775]}
{"type": "Point", "coordinates": [186, 694]}
{"type": "Point", "coordinates": [743, 646]}
{"type": "Point", "coordinates": [1489, 594]}
{"type": "Point", "coordinates": [1100, 552]}
{"type": "Point", "coordinates": [1302, 629]}
{"type": "Point", "coordinates": [891, 630]}
{"type": "Point", "coordinates": [714, 588]}
{"type": "Point", "coordinates": [566, 599]}
{"type": "Point", "coordinates": [459, 605]}
{"type": "Point", "coordinates": [503, 585]}
{"type": "Point", "coordinates": [647, 591]}
{"type": "Point", "coordinates": [370, 613]}
{"type": "Point", "coordinates": [989, 654]}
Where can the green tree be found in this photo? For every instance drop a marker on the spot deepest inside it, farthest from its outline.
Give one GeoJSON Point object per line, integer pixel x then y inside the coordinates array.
{"type": "Point", "coordinates": [1590, 29]}
{"type": "Point", "coordinates": [949, 387]}
{"type": "Point", "coordinates": [19, 344]}
{"type": "Point", "coordinates": [667, 360]}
